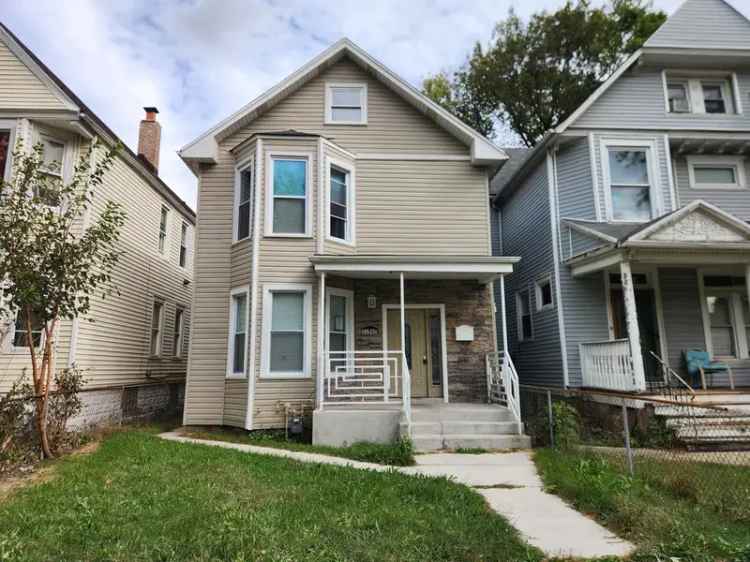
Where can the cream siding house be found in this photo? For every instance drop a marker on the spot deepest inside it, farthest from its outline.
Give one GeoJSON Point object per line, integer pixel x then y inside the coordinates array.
{"type": "Point", "coordinates": [134, 360]}
{"type": "Point", "coordinates": [343, 218]}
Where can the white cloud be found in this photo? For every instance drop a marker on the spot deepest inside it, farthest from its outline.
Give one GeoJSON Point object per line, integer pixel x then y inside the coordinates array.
{"type": "Point", "coordinates": [199, 60]}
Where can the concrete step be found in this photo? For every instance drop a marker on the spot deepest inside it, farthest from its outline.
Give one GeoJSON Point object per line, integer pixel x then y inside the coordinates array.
{"type": "Point", "coordinates": [434, 442]}
{"type": "Point", "coordinates": [478, 413]}
{"type": "Point", "coordinates": [463, 428]}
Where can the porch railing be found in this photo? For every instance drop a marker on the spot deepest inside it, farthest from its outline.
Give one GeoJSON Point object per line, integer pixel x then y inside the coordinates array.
{"type": "Point", "coordinates": [502, 384]}
{"type": "Point", "coordinates": [608, 365]}
{"type": "Point", "coordinates": [365, 377]}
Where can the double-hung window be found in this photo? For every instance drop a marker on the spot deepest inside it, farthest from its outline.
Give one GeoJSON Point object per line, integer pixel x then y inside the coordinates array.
{"type": "Point", "coordinates": [716, 172]}
{"type": "Point", "coordinates": [179, 329]}
{"type": "Point", "coordinates": [709, 93]}
{"type": "Point", "coordinates": [163, 222]}
{"type": "Point", "coordinates": [726, 316]}
{"type": "Point", "coordinates": [243, 203]}
{"type": "Point", "coordinates": [346, 104]}
{"type": "Point", "coordinates": [157, 321]}
{"type": "Point", "coordinates": [238, 320]}
{"type": "Point", "coordinates": [523, 316]}
{"type": "Point", "coordinates": [21, 332]}
{"type": "Point", "coordinates": [183, 244]}
{"type": "Point", "coordinates": [288, 209]}
{"type": "Point", "coordinates": [53, 152]}
{"type": "Point", "coordinates": [341, 203]}
{"type": "Point", "coordinates": [287, 323]}
{"type": "Point", "coordinates": [629, 184]}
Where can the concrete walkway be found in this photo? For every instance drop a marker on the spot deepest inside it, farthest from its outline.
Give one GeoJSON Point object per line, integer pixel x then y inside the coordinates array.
{"type": "Point", "coordinates": [509, 482]}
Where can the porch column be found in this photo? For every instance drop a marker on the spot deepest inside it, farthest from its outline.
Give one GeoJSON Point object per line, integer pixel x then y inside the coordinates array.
{"type": "Point", "coordinates": [321, 338]}
{"type": "Point", "coordinates": [634, 333]}
{"type": "Point", "coordinates": [502, 314]}
{"type": "Point", "coordinates": [403, 314]}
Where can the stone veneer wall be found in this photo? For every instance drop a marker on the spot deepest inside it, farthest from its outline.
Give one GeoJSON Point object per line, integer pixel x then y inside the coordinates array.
{"type": "Point", "coordinates": [466, 302]}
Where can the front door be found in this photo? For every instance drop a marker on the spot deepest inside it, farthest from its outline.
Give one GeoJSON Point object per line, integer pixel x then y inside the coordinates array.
{"type": "Point", "coordinates": [423, 348]}
{"type": "Point", "coordinates": [646, 310]}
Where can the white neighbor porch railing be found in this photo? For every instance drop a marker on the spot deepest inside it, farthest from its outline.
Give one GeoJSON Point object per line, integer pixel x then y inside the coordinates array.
{"type": "Point", "coordinates": [365, 377]}
{"type": "Point", "coordinates": [502, 384]}
{"type": "Point", "coordinates": [609, 365]}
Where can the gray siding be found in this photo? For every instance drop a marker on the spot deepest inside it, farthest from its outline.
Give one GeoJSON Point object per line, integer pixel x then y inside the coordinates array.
{"type": "Point", "coordinates": [736, 202]}
{"type": "Point", "coordinates": [527, 232]}
{"type": "Point", "coordinates": [574, 185]}
{"type": "Point", "coordinates": [636, 101]}
{"type": "Point", "coordinates": [704, 24]}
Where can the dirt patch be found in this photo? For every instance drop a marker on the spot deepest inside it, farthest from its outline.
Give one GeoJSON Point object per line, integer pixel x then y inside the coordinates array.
{"type": "Point", "coordinates": [41, 473]}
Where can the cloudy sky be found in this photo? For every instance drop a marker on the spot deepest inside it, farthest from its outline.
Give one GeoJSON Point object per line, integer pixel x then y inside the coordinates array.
{"type": "Point", "coordinates": [200, 60]}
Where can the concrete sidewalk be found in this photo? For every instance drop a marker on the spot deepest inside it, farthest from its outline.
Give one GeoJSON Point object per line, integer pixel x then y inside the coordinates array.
{"type": "Point", "coordinates": [509, 482]}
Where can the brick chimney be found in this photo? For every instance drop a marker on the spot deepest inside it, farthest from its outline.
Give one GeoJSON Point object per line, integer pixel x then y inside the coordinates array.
{"type": "Point", "coordinates": [149, 138]}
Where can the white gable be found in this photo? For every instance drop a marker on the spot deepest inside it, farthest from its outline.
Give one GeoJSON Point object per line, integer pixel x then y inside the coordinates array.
{"type": "Point", "coordinates": [703, 24]}
{"type": "Point", "coordinates": [698, 226]}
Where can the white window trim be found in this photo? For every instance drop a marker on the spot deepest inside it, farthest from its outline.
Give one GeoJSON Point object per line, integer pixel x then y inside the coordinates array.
{"type": "Point", "coordinates": [308, 158]}
{"type": "Point", "coordinates": [519, 316]}
{"type": "Point", "coordinates": [351, 201]}
{"type": "Point", "coordinates": [538, 293]}
{"type": "Point", "coordinates": [238, 170]}
{"type": "Point", "coordinates": [694, 79]}
{"type": "Point", "coordinates": [329, 100]}
{"type": "Point", "coordinates": [230, 374]}
{"type": "Point", "coordinates": [11, 336]}
{"type": "Point", "coordinates": [179, 341]}
{"type": "Point", "coordinates": [653, 176]}
{"type": "Point", "coordinates": [349, 296]}
{"type": "Point", "coordinates": [164, 253]}
{"type": "Point", "coordinates": [160, 341]}
{"type": "Point", "coordinates": [737, 320]}
{"type": "Point", "coordinates": [265, 363]}
{"type": "Point", "coordinates": [9, 125]}
{"type": "Point", "coordinates": [737, 162]}
{"type": "Point", "coordinates": [63, 173]}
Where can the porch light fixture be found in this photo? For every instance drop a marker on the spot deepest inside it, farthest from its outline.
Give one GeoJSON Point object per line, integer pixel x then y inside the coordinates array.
{"type": "Point", "coordinates": [372, 302]}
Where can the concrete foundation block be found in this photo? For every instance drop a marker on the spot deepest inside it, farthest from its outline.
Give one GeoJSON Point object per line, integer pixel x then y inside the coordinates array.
{"type": "Point", "coordinates": [339, 428]}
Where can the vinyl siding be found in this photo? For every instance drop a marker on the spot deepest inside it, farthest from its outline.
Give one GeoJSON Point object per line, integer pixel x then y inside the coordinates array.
{"type": "Point", "coordinates": [20, 88]}
{"type": "Point", "coordinates": [403, 207]}
{"type": "Point", "coordinates": [636, 101]}
{"type": "Point", "coordinates": [736, 202]}
{"type": "Point", "coordinates": [703, 24]}
{"type": "Point", "coordinates": [527, 233]}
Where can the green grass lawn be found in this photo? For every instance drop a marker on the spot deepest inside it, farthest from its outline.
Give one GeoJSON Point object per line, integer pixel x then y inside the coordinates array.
{"type": "Point", "coordinates": [662, 509]}
{"type": "Point", "coordinates": [396, 454]}
{"type": "Point", "coordinates": [138, 497]}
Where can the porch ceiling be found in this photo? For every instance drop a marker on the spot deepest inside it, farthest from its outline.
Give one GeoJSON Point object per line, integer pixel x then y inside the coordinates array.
{"type": "Point", "coordinates": [484, 269]}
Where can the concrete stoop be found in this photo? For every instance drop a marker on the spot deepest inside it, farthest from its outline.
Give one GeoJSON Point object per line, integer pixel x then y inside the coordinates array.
{"type": "Point", "coordinates": [439, 426]}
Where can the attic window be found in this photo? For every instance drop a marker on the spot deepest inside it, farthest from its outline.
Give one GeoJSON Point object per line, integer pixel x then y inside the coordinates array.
{"type": "Point", "coordinates": [346, 104]}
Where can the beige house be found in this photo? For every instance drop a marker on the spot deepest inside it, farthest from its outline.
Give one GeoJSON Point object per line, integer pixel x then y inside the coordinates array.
{"type": "Point", "coordinates": [344, 264]}
{"type": "Point", "coordinates": [135, 349]}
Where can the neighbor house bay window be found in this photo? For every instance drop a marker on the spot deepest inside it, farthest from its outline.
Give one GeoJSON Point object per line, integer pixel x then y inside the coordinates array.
{"type": "Point", "coordinates": [629, 183]}
{"type": "Point", "coordinates": [289, 196]}
{"type": "Point", "coordinates": [286, 331]}
{"type": "Point", "coordinates": [340, 204]}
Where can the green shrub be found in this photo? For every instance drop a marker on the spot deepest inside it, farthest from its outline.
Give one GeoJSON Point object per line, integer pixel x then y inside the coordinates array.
{"type": "Point", "coordinates": [566, 425]}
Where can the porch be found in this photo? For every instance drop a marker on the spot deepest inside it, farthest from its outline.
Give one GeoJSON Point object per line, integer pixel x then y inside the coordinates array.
{"type": "Point", "coordinates": [400, 334]}
{"type": "Point", "coordinates": [678, 284]}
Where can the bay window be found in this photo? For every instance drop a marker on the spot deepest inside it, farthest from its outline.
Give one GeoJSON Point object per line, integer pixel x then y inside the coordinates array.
{"type": "Point", "coordinates": [287, 325]}
{"type": "Point", "coordinates": [288, 205]}
{"type": "Point", "coordinates": [243, 204]}
{"type": "Point", "coordinates": [340, 202]}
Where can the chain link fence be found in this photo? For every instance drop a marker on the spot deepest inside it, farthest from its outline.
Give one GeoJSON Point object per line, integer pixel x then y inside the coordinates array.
{"type": "Point", "coordinates": [695, 446]}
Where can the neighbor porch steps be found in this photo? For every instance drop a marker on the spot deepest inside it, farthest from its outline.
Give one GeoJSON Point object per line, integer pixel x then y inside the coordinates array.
{"type": "Point", "coordinates": [437, 426]}
{"type": "Point", "coordinates": [707, 429]}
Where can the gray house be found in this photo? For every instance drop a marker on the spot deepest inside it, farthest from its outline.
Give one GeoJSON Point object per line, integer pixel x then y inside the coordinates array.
{"type": "Point", "coordinates": [638, 205]}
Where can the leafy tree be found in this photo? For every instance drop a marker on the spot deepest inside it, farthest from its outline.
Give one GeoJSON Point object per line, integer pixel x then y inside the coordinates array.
{"type": "Point", "coordinates": [533, 75]}
{"type": "Point", "coordinates": [50, 264]}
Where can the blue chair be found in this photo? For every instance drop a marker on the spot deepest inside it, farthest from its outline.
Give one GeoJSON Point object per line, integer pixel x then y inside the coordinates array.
{"type": "Point", "coordinates": [699, 363]}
